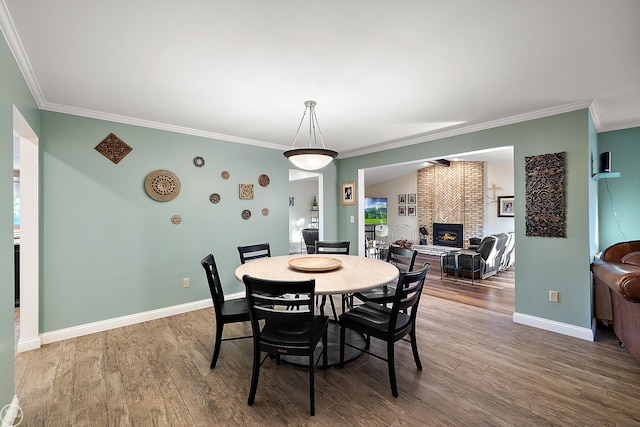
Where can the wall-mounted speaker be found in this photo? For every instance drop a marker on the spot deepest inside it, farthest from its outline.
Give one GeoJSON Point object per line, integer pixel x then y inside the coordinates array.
{"type": "Point", "coordinates": [605, 162]}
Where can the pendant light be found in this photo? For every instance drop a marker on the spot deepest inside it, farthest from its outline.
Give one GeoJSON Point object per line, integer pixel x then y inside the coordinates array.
{"type": "Point", "coordinates": [313, 157]}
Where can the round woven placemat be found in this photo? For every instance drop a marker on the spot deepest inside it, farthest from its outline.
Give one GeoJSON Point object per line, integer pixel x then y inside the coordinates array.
{"type": "Point", "coordinates": [162, 185]}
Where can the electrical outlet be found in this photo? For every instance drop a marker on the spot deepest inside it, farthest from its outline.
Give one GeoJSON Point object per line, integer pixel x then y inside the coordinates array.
{"type": "Point", "coordinates": [554, 296]}
{"type": "Point", "coordinates": [185, 282]}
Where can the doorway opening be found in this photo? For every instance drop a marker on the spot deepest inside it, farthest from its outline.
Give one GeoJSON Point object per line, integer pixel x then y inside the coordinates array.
{"type": "Point", "coordinates": [26, 162]}
{"type": "Point", "coordinates": [306, 206]}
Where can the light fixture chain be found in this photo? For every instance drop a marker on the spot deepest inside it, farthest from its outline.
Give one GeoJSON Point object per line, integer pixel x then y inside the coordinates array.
{"type": "Point", "coordinates": [313, 157]}
{"type": "Point", "coordinates": [299, 126]}
{"type": "Point", "coordinates": [317, 124]}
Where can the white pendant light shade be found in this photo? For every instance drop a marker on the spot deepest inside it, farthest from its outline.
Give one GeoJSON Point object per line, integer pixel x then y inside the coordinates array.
{"type": "Point", "coordinates": [310, 158]}
{"type": "Point", "coordinates": [314, 157]}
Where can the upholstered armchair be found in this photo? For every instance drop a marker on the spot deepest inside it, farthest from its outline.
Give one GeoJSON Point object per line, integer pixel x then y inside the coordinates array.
{"type": "Point", "coordinates": [310, 236]}
{"type": "Point", "coordinates": [489, 252]}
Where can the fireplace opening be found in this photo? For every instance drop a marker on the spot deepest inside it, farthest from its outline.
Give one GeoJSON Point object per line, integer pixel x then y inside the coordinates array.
{"type": "Point", "coordinates": [448, 235]}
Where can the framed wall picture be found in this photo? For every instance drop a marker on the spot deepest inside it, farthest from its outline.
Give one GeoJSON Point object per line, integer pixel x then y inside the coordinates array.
{"type": "Point", "coordinates": [411, 210]}
{"type": "Point", "coordinates": [505, 206]}
{"type": "Point", "coordinates": [411, 199]}
{"type": "Point", "coordinates": [402, 211]}
{"type": "Point", "coordinates": [402, 199]}
{"type": "Point", "coordinates": [349, 193]}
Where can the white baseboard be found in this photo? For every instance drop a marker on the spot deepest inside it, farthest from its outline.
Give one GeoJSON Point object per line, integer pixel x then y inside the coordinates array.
{"type": "Point", "coordinates": [28, 344]}
{"type": "Point", "coordinates": [558, 327]}
{"type": "Point", "coordinates": [105, 325]}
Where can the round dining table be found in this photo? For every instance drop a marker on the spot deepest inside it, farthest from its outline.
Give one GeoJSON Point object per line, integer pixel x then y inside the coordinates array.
{"type": "Point", "coordinates": [353, 274]}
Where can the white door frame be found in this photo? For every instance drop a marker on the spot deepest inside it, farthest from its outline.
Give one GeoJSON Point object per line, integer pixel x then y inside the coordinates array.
{"type": "Point", "coordinates": [29, 233]}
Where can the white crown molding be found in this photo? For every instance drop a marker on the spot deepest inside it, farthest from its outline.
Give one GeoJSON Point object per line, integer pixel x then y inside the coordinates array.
{"type": "Point", "coordinates": [156, 125]}
{"type": "Point", "coordinates": [619, 126]}
{"type": "Point", "coordinates": [15, 46]}
{"type": "Point", "coordinates": [473, 128]}
{"type": "Point", "coordinates": [595, 115]}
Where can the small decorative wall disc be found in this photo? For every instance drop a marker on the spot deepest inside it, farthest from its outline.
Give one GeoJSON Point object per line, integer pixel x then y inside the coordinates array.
{"type": "Point", "coordinates": [162, 185]}
{"type": "Point", "coordinates": [198, 162]}
{"type": "Point", "coordinates": [265, 212]}
{"type": "Point", "coordinates": [224, 175]}
{"type": "Point", "coordinates": [246, 214]}
{"type": "Point", "coordinates": [264, 180]}
{"type": "Point", "coordinates": [214, 198]}
{"type": "Point", "coordinates": [176, 219]}
{"type": "Point", "coordinates": [246, 191]}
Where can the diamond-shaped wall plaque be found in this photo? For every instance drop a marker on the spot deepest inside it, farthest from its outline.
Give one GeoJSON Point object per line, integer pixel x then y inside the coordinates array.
{"type": "Point", "coordinates": [113, 148]}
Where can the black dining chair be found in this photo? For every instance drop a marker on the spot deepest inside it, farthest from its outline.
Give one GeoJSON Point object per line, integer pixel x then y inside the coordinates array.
{"type": "Point", "coordinates": [285, 332]}
{"type": "Point", "coordinates": [388, 324]}
{"type": "Point", "coordinates": [324, 247]}
{"type": "Point", "coordinates": [328, 248]}
{"type": "Point", "coordinates": [402, 258]}
{"type": "Point", "coordinates": [251, 252]}
{"type": "Point", "coordinates": [227, 311]}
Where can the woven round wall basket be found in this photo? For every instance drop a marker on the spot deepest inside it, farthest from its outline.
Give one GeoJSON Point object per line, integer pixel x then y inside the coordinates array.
{"type": "Point", "coordinates": [162, 185]}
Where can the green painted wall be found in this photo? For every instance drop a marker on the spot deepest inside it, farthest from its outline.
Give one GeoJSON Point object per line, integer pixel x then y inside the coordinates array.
{"type": "Point", "coordinates": [110, 250]}
{"type": "Point", "coordinates": [13, 91]}
{"type": "Point", "coordinates": [542, 263]}
{"type": "Point", "coordinates": [619, 198]}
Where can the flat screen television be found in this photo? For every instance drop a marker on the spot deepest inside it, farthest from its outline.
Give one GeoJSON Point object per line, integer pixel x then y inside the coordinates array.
{"type": "Point", "coordinates": [375, 210]}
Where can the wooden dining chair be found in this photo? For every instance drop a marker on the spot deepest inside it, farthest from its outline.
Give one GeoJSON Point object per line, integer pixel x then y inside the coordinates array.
{"type": "Point", "coordinates": [402, 258]}
{"type": "Point", "coordinates": [251, 252]}
{"type": "Point", "coordinates": [390, 325]}
{"type": "Point", "coordinates": [227, 311]}
{"type": "Point", "coordinates": [285, 331]}
{"type": "Point", "coordinates": [338, 248]}
{"type": "Point", "coordinates": [324, 247]}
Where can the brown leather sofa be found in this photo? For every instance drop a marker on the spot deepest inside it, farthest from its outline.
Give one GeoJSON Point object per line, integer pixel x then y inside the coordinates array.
{"type": "Point", "coordinates": [617, 292]}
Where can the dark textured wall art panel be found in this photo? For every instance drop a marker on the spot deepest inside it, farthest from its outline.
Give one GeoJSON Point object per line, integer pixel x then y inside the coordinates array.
{"type": "Point", "coordinates": [545, 205]}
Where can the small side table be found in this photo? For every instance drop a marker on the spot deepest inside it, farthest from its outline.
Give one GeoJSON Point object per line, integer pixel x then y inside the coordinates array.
{"type": "Point", "coordinates": [469, 261]}
{"type": "Point", "coordinates": [461, 261]}
{"type": "Point", "coordinates": [448, 262]}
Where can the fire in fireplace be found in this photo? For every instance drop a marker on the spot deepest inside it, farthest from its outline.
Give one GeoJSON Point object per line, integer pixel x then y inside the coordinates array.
{"type": "Point", "coordinates": [447, 235]}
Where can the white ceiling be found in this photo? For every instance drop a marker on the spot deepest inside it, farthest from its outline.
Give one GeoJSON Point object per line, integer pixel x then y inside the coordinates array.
{"type": "Point", "coordinates": [383, 73]}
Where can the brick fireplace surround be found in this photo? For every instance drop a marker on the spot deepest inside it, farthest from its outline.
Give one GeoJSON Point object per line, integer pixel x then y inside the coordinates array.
{"type": "Point", "coordinates": [453, 194]}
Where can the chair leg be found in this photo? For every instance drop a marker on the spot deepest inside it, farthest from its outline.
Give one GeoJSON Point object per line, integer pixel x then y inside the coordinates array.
{"type": "Point", "coordinates": [342, 346]}
{"type": "Point", "coordinates": [216, 346]}
{"type": "Point", "coordinates": [392, 368]}
{"type": "Point", "coordinates": [414, 348]}
{"type": "Point", "coordinates": [333, 307]}
{"type": "Point", "coordinates": [312, 405]}
{"type": "Point", "coordinates": [325, 351]}
{"type": "Point", "coordinates": [254, 375]}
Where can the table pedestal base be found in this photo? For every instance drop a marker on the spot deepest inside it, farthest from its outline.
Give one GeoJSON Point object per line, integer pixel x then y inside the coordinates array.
{"type": "Point", "coordinates": [333, 348]}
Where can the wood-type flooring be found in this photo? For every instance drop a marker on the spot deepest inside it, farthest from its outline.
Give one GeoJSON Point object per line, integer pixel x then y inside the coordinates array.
{"type": "Point", "coordinates": [479, 369]}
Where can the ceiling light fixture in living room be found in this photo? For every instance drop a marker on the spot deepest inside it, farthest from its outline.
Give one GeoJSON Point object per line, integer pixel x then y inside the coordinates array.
{"type": "Point", "coordinates": [313, 157]}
